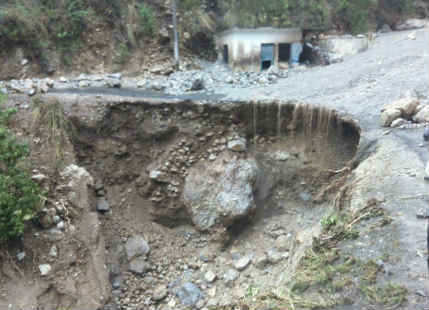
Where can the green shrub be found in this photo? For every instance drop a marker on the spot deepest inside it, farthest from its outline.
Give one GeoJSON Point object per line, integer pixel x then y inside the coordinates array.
{"type": "Point", "coordinates": [19, 195]}
{"type": "Point", "coordinates": [147, 19]}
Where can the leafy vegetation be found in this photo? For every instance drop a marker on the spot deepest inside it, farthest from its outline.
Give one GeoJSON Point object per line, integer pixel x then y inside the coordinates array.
{"type": "Point", "coordinates": [147, 19]}
{"type": "Point", "coordinates": [19, 195]}
{"type": "Point", "coordinates": [354, 16]}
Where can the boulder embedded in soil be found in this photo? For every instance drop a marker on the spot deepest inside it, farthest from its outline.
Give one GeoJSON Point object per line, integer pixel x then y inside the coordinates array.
{"type": "Point", "coordinates": [238, 145]}
{"type": "Point", "coordinates": [189, 294]}
{"type": "Point", "coordinates": [136, 246]}
{"type": "Point", "coordinates": [216, 193]}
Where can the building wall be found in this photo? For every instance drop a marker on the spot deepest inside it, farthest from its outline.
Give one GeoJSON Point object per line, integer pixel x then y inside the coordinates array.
{"type": "Point", "coordinates": [244, 45]}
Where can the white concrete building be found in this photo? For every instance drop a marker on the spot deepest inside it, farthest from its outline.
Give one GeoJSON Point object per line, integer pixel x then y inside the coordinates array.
{"type": "Point", "coordinates": [258, 49]}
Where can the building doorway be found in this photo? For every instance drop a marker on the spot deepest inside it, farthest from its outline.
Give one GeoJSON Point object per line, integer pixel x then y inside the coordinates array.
{"type": "Point", "coordinates": [225, 54]}
{"type": "Point", "coordinates": [267, 56]}
{"type": "Point", "coordinates": [284, 52]}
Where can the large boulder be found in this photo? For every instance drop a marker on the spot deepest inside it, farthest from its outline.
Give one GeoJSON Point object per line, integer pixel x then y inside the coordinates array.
{"type": "Point", "coordinates": [412, 23]}
{"type": "Point", "coordinates": [402, 108]}
{"type": "Point", "coordinates": [220, 192]}
{"type": "Point", "coordinates": [423, 115]}
{"type": "Point", "coordinates": [388, 116]}
{"type": "Point", "coordinates": [77, 179]}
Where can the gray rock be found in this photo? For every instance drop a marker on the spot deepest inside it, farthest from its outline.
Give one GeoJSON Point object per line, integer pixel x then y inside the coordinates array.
{"type": "Point", "coordinates": [210, 276]}
{"type": "Point", "coordinates": [281, 156]}
{"type": "Point", "coordinates": [207, 254]}
{"type": "Point", "coordinates": [159, 176]}
{"type": "Point", "coordinates": [229, 277]}
{"type": "Point", "coordinates": [113, 83]}
{"type": "Point", "coordinates": [388, 116]}
{"type": "Point", "coordinates": [407, 106]}
{"type": "Point", "coordinates": [20, 256]}
{"type": "Point", "coordinates": [53, 252]}
{"type": "Point", "coordinates": [282, 243]}
{"type": "Point", "coordinates": [160, 293]}
{"type": "Point", "coordinates": [102, 205]}
{"type": "Point", "coordinates": [139, 265]}
{"type": "Point", "coordinates": [55, 234]}
{"type": "Point", "coordinates": [31, 92]}
{"type": "Point", "coordinates": [423, 115]}
{"type": "Point", "coordinates": [116, 76]}
{"type": "Point", "coordinates": [39, 178]}
{"type": "Point", "coordinates": [238, 145]}
{"type": "Point", "coordinates": [261, 261]}
{"type": "Point", "coordinates": [219, 193]}
{"type": "Point", "coordinates": [242, 263]}
{"type": "Point", "coordinates": [274, 257]}
{"type": "Point", "coordinates": [197, 84]}
{"type": "Point", "coordinates": [156, 85]}
{"type": "Point", "coordinates": [136, 246]}
{"type": "Point", "coordinates": [398, 122]}
{"type": "Point", "coordinates": [61, 225]}
{"type": "Point", "coordinates": [45, 269]}
{"type": "Point", "coordinates": [83, 84]}
{"type": "Point", "coordinates": [189, 294]}
{"type": "Point", "coordinates": [141, 84]}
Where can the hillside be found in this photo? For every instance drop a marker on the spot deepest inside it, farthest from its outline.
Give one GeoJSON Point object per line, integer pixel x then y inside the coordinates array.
{"type": "Point", "coordinates": [82, 36]}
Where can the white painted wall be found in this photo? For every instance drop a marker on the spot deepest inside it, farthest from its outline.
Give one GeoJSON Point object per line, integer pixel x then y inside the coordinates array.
{"type": "Point", "coordinates": [244, 45]}
{"type": "Point", "coordinates": [343, 46]}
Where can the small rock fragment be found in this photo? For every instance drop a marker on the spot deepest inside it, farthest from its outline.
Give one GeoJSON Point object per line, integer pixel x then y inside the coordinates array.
{"type": "Point", "coordinates": [53, 252]}
{"type": "Point", "coordinates": [45, 269]}
{"type": "Point", "coordinates": [282, 243]}
{"type": "Point", "coordinates": [242, 263]}
{"type": "Point", "coordinates": [160, 293]}
{"type": "Point", "coordinates": [102, 205]}
{"type": "Point", "coordinates": [274, 257]}
{"type": "Point", "coordinates": [210, 276]}
{"type": "Point", "coordinates": [20, 256]}
{"type": "Point", "coordinates": [159, 176]}
{"type": "Point", "coordinates": [398, 122]}
{"type": "Point", "coordinates": [139, 265]}
{"type": "Point", "coordinates": [230, 276]}
{"type": "Point", "coordinates": [238, 145]}
{"type": "Point", "coordinates": [189, 294]}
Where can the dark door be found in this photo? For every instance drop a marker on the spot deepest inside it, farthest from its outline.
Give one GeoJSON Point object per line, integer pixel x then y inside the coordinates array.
{"type": "Point", "coordinates": [225, 54]}
{"type": "Point", "coordinates": [267, 56]}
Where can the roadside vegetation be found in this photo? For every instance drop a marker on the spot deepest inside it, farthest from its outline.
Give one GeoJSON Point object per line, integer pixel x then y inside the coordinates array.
{"type": "Point", "coordinates": [63, 25]}
{"type": "Point", "coordinates": [19, 195]}
{"type": "Point", "coordinates": [329, 273]}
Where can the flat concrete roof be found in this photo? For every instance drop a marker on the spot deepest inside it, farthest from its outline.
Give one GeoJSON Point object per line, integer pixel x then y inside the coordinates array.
{"type": "Point", "coordinates": [258, 30]}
